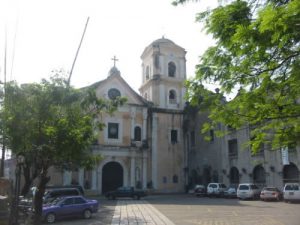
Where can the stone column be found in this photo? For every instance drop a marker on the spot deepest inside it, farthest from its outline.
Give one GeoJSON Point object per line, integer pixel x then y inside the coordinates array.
{"type": "Point", "coordinates": [154, 150]}
{"type": "Point", "coordinates": [67, 177]}
{"type": "Point", "coordinates": [144, 178]}
{"type": "Point", "coordinates": [145, 115]}
{"type": "Point", "coordinates": [133, 110]}
{"type": "Point", "coordinates": [81, 177]}
{"type": "Point", "coordinates": [132, 171]}
{"type": "Point", "coordinates": [94, 179]}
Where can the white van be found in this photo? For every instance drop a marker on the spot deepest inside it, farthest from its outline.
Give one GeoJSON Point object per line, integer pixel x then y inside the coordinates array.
{"type": "Point", "coordinates": [215, 189]}
{"type": "Point", "coordinates": [248, 191]}
{"type": "Point", "coordinates": [291, 192]}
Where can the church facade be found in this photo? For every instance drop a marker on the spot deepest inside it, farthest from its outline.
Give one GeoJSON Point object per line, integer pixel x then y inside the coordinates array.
{"type": "Point", "coordinates": [153, 142]}
{"type": "Point", "coordinates": [142, 144]}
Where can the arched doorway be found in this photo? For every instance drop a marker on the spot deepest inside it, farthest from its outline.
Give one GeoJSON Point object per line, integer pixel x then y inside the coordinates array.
{"type": "Point", "coordinates": [290, 173]}
{"type": "Point", "coordinates": [234, 176]}
{"type": "Point", "coordinates": [112, 176]}
{"type": "Point", "coordinates": [259, 176]}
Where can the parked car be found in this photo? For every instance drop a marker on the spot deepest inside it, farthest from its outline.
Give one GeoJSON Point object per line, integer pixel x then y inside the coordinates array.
{"type": "Point", "coordinates": [291, 192]}
{"type": "Point", "coordinates": [231, 191]}
{"type": "Point", "coordinates": [216, 189]}
{"type": "Point", "coordinates": [128, 192]}
{"type": "Point", "coordinates": [200, 190]}
{"type": "Point", "coordinates": [79, 187]}
{"type": "Point", "coordinates": [270, 193]}
{"type": "Point", "coordinates": [69, 207]}
{"type": "Point", "coordinates": [49, 195]}
{"type": "Point", "coordinates": [248, 191]}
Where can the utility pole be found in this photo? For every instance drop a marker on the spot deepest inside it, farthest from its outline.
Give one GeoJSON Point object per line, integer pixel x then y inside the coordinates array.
{"type": "Point", "coordinates": [69, 80]}
{"type": "Point", "coordinates": [4, 105]}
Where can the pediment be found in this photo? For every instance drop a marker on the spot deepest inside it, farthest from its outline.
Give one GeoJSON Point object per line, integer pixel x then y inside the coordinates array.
{"type": "Point", "coordinates": [118, 83]}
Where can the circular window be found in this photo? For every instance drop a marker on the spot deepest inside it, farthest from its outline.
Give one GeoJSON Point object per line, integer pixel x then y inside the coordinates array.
{"type": "Point", "coordinates": [113, 93]}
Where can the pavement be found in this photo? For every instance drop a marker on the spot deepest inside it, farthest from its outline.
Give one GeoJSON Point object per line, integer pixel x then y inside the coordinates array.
{"type": "Point", "coordinates": [130, 212]}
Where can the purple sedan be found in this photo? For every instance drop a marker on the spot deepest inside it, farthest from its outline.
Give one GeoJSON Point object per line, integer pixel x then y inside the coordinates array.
{"type": "Point", "coordinates": [69, 206]}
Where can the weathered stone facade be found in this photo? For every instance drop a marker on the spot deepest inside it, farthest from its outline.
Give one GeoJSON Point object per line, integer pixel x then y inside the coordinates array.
{"type": "Point", "coordinates": [154, 140]}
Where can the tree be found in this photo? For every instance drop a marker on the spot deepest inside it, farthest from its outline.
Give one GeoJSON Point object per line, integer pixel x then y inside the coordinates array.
{"type": "Point", "coordinates": [52, 124]}
{"type": "Point", "coordinates": [257, 53]}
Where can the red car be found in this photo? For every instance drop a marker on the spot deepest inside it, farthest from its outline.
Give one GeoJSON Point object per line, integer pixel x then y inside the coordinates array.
{"type": "Point", "coordinates": [270, 193]}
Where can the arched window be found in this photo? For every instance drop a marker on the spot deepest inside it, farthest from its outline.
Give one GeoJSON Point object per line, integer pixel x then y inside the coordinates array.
{"type": "Point", "coordinates": [137, 134]}
{"type": "Point", "coordinates": [171, 69]}
{"type": "Point", "coordinates": [291, 173]}
{"type": "Point", "coordinates": [234, 175]}
{"type": "Point", "coordinates": [259, 175]}
{"type": "Point", "coordinates": [172, 97]}
{"type": "Point", "coordinates": [147, 72]}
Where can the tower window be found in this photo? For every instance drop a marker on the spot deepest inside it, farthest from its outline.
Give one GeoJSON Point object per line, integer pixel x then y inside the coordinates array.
{"type": "Point", "coordinates": [137, 134]}
{"type": "Point", "coordinates": [147, 72]}
{"type": "Point", "coordinates": [171, 69]}
{"type": "Point", "coordinates": [172, 97]}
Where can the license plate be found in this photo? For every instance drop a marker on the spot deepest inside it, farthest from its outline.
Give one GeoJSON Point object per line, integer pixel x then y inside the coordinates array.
{"type": "Point", "coordinates": [291, 193]}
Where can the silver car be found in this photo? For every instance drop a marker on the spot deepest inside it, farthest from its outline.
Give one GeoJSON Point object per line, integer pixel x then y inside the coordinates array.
{"type": "Point", "coordinates": [291, 192]}
{"type": "Point", "coordinates": [248, 191]}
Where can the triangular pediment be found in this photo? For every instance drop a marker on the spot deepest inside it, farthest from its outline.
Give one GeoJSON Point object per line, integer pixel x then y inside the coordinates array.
{"type": "Point", "coordinates": [117, 82]}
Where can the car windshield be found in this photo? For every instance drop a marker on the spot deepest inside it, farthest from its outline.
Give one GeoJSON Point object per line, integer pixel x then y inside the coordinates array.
{"type": "Point", "coordinates": [291, 187]}
{"type": "Point", "coordinates": [55, 201]}
{"type": "Point", "coordinates": [244, 187]}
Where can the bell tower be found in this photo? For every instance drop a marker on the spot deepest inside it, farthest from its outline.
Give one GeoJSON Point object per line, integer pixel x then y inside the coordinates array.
{"type": "Point", "coordinates": [163, 74]}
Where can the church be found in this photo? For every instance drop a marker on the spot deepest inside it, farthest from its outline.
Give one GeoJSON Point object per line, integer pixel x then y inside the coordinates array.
{"type": "Point", "coordinates": [142, 144]}
{"type": "Point", "coordinates": [153, 141]}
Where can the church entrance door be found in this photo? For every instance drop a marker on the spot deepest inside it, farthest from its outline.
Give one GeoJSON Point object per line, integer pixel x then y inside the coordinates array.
{"type": "Point", "coordinates": [112, 176]}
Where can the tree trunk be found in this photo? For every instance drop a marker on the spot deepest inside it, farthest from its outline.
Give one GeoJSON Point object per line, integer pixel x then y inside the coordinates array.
{"type": "Point", "coordinates": [28, 179]}
{"type": "Point", "coordinates": [38, 198]}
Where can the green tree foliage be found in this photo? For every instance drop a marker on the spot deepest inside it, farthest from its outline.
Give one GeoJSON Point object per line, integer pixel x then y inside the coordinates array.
{"type": "Point", "coordinates": [52, 124]}
{"type": "Point", "coordinates": [257, 53]}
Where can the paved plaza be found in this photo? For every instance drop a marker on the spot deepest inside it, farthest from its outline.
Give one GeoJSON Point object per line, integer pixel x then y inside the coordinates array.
{"type": "Point", "coordinates": [190, 210]}
{"type": "Point", "coordinates": [138, 212]}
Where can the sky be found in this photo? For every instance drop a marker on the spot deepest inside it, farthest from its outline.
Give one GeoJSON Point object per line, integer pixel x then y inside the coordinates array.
{"type": "Point", "coordinates": [43, 35]}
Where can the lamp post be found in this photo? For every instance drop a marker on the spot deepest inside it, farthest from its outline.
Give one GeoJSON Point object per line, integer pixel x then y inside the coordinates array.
{"type": "Point", "coordinates": [14, 213]}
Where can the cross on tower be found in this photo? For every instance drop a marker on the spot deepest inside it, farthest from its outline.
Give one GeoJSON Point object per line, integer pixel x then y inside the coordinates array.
{"type": "Point", "coordinates": [115, 59]}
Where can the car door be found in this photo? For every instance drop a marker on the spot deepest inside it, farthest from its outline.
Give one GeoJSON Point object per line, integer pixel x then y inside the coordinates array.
{"type": "Point", "coordinates": [296, 191]}
{"type": "Point", "coordinates": [66, 207]}
{"type": "Point", "coordinates": [79, 205]}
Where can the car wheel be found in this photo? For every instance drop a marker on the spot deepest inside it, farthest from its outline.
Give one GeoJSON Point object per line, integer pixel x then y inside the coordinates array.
{"type": "Point", "coordinates": [50, 218]}
{"type": "Point", "coordinates": [87, 214]}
